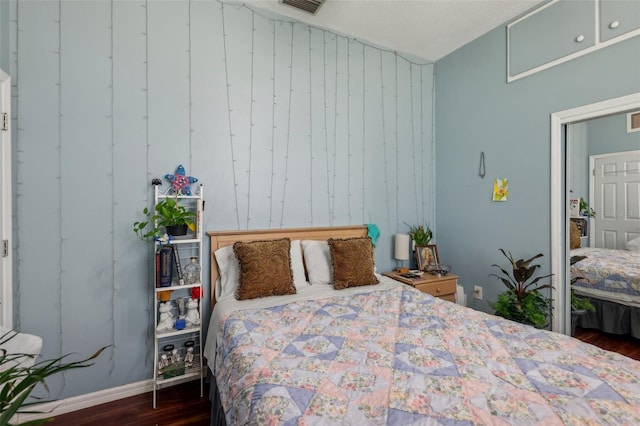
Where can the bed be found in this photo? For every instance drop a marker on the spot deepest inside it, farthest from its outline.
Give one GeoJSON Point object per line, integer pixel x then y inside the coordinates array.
{"type": "Point", "coordinates": [386, 353]}
{"type": "Point", "coordinates": [611, 279]}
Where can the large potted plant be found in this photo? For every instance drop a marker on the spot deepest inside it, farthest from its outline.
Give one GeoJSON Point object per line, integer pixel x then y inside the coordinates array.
{"type": "Point", "coordinates": [169, 217]}
{"type": "Point", "coordinates": [522, 301]}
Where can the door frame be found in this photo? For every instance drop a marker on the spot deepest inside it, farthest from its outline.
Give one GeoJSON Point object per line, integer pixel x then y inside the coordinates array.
{"type": "Point", "coordinates": [6, 262]}
{"type": "Point", "coordinates": [561, 314]}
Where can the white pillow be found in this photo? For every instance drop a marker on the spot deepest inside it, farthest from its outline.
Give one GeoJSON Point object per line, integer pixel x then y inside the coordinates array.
{"type": "Point", "coordinates": [297, 265]}
{"type": "Point", "coordinates": [317, 259]}
{"type": "Point", "coordinates": [634, 245]}
{"type": "Point", "coordinates": [229, 270]}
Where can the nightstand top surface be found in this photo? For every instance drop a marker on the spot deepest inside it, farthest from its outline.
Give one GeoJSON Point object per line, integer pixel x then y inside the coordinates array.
{"type": "Point", "coordinates": [425, 278]}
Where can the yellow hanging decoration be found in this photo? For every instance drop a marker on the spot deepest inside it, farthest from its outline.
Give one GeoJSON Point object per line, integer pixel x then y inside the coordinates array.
{"type": "Point", "coordinates": [500, 189]}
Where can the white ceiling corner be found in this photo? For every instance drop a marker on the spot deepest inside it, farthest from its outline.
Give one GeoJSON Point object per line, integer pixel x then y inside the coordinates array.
{"type": "Point", "coordinates": [428, 29]}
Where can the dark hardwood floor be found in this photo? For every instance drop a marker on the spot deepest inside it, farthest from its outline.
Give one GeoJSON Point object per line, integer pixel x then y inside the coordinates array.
{"type": "Point", "coordinates": [626, 345]}
{"type": "Point", "coordinates": [182, 405]}
{"type": "Point", "coordinates": [178, 405]}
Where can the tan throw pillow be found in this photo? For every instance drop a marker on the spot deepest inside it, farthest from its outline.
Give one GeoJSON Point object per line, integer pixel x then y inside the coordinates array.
{"type": "Point", "coordinates": [574, 236]}
{"type": "Point", "coordinates": [265, 268]}
{"type": "Point", "coordinates": [352, 262]}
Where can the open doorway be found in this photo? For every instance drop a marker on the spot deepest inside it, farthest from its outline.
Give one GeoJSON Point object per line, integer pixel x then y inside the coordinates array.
{"type": "Point", "coordinates": [6, 284]}
{"type": "Point", "coordinates": [560, 194]}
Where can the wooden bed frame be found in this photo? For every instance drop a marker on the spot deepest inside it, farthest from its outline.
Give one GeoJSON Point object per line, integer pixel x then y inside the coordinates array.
{"type": "Point", "coordinates": [219, 239]}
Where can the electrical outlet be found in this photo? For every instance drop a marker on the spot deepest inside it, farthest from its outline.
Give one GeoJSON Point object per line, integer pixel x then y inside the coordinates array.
{"type": "Point", "coordinates": [477, 292]}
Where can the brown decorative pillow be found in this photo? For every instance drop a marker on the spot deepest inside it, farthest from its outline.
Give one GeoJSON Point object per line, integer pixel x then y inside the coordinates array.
{"type": "Point", "coordinates": [574, 236]}
{"type": "Point", "coordinates": [265, 268]}
{"type": "Point", "coordinates": [352, 262]}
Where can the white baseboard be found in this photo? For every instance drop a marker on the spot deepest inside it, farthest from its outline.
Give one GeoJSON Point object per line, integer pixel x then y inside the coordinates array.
{"type": "Point", "coordinates": [63, 406]}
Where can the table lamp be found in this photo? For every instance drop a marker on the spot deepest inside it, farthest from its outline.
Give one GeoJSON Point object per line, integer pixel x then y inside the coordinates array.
{"type": "Point", "coordinates": [401, 251]}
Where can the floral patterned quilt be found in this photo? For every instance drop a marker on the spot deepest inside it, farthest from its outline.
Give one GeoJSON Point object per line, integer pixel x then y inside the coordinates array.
{"type": "Point", "coordinates": [399, 357]}
{"type": "Point", "coordinates": [615, 271]}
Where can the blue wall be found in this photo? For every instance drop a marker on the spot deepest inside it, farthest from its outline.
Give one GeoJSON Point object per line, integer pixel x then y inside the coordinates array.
{"type": "Point", "coordinates": [285, 125]}
{"type": "Point", "coordinates": [477, 111]}
{"type": "Point", "coordinates": [609, 134]}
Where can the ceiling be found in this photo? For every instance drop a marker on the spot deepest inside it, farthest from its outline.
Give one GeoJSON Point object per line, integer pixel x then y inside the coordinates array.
{"type": "Point", "coordinates": [428, 29]}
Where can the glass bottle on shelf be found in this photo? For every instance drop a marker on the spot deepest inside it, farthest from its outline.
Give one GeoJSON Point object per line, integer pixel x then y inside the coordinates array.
{"type": "Point", "coordinates": [181, 322]}
{"type": "Point", "coordinates": [192, 271]}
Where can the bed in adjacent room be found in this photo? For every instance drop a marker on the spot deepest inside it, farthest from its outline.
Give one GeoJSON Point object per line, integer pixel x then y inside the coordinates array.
{"type": "Point", "coordinates": [380, 352]}
{"type": "Point", "coordinates": [611, 279]}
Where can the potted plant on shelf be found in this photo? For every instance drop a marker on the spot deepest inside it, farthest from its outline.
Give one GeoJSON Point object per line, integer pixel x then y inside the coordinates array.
{"type": "Point", "coordinates": [585, 210]}
{"type": "Point", "coordinates": [169, 217]}
{"type": "Point", "coordinates": [579, 305]}
{"type": "Point", "coordinates": [522, 301]}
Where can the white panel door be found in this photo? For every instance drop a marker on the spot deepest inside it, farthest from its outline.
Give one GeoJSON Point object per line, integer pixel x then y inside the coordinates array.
{"type": "Point", "coordinates": [616, 198]}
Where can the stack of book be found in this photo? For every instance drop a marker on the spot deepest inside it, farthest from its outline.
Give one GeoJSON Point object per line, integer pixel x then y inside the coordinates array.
{"type": "Point", "coordinates": [166, 257]}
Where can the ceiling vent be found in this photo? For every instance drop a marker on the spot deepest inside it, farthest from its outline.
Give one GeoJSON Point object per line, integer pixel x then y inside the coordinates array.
{"type": "Point", "coordinates": [310, 6]}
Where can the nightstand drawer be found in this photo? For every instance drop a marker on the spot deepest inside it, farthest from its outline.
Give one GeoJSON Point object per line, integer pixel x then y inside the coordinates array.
{"type": "Point", "coordinates": [449, 297]}
{"type": "Point", "coordinates": [439, 288]}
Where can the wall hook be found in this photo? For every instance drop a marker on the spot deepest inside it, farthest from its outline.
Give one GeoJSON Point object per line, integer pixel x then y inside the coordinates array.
{"type": "Point", "coordinates": [481, 171]}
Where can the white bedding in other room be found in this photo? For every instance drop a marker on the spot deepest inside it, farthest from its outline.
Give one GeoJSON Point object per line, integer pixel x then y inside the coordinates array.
{"type": "Point", "coordinates": [621, 298]}
{"type": "Point", "coordinates": [607, 274]}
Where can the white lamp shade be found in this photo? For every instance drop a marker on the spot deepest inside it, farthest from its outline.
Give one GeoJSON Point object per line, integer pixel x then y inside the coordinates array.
{"type": "Point", "coordinates": [401, 251]}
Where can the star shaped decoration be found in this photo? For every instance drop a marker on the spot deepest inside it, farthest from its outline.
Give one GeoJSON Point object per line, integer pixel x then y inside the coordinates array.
{"type": "Point", "coordinates": [180, 182]}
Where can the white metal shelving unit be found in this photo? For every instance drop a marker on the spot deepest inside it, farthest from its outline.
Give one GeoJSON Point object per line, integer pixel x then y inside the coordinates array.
{"type": "Point", "coordinates": [188, 246]}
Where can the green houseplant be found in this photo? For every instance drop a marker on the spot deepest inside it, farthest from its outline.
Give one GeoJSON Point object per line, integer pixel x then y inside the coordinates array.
{"type": "Point", "coordinates": [522, 301]}
{"type": "Point", "coordinates": [17, 380]}
{"type": "Point", "coordinates": [421, 235]}
{"type": "Point", "coordinates": [585, 210]}
{"type": "Point", "coordinates": [169, 217]}
{"type": "Point", "coordinates": [579, 305]}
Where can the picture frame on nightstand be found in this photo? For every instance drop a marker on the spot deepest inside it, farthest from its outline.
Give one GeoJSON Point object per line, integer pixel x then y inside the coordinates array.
{"type": "Point", "coordinates": [426, 255]}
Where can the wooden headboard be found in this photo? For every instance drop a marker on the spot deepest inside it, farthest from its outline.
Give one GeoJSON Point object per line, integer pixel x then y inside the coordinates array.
{"type": "Point", "coordinates": [220, 239]}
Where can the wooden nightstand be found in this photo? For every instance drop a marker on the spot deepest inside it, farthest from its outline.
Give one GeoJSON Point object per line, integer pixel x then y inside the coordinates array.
{"type": "Point", "coordinates": [442, 287]}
